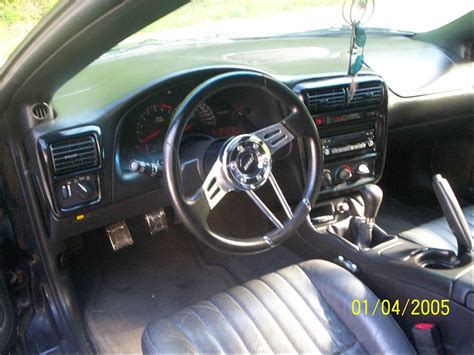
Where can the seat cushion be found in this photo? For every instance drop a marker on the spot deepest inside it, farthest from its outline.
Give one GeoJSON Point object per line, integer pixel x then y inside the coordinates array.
{"type": "Point", "coordinates": [304, 308]}
{"type": "Point", "coordinates": [437, 234]}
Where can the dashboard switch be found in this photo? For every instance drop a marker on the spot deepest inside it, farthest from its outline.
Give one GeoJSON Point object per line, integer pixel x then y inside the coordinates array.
{"type": "Point", "coordinates": [66, 191]}
{"type": "Point", "coordinates": [85, 190]}
{"type": "Point", "coordinates": [145, 168]}
{"type": "Point", "coordinates": [78, 191]}
{"type": "Point", "coordinates": [342, 207]}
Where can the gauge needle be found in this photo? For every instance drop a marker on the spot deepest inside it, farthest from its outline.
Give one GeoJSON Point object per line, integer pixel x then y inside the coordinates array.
{"type": "Point", "coordinates": [150, 136]}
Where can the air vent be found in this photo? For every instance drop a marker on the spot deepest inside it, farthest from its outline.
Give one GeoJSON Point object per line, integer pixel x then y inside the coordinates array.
{"type": "Point", "coordinates": [325, 99]}
{"type": "Point", "coordinates": [367, 94]}
{"type": "Point", "coordinates": [74, 155]}
{"type": "Point", "coordinates": [40, 111]}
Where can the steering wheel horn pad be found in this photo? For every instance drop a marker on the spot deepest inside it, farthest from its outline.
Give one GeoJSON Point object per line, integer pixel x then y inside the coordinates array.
{"type": "Point", "coordinates": [244, 165]}
{"type": "Point", "coordinates": [247, 162]}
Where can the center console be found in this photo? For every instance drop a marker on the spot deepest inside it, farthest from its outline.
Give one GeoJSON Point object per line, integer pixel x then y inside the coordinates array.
{"type": "Point", "coordinates": [342, 226]}
{"type": "Point", "coordinates": [410, 279]}
{"type": "Point", "coordinates": [352, 130]}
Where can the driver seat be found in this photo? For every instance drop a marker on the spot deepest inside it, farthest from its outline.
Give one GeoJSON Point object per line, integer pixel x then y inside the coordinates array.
{"type": "Point", "coordinates": [303, 308]}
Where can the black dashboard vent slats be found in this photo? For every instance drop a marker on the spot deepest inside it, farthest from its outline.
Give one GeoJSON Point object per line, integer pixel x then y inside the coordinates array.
{"type": "Point", "coordinates": [367, 94]}
{"type": "Point", "coordinates": [75, 154]}
{"type": "Point", "coordinates": [40, 111]}
{"type": "Point", "coordinates": [325, 99]}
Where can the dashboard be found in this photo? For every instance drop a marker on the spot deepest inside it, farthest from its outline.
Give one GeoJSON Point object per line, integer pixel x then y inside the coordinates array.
{"type": "Point", "coordinates": [125, 116]}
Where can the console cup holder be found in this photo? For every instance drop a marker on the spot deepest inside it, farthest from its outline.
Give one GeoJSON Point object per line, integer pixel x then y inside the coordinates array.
{"type": "Point", "coordinates": [438, 259]}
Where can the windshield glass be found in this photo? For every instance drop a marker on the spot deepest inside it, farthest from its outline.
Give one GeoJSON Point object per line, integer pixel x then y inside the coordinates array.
{"type": "Point", "coordinates": [204, 20]}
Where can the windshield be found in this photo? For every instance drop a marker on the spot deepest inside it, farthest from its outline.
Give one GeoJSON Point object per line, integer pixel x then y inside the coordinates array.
{"type": "Point", "coordinates": [204, 20]}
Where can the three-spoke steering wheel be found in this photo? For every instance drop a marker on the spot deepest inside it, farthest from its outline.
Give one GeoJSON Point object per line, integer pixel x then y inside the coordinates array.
{"type": "Point", "coordinates": [244, 164]}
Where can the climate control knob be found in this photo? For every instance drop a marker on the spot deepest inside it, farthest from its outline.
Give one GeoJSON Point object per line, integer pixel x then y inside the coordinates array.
{"type": "Point", "coordinates": [363, 169]}
{"type": "Point", "coordinates": [344, 173]}
{"type": "Point", "coordinates": [327, 178]}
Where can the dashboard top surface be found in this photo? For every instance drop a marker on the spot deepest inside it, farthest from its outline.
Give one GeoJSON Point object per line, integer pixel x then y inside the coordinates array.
{"type": "Point", "coordinates": [410, 67]}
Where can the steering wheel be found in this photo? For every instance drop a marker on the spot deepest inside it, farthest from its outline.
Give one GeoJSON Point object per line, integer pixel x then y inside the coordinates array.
{"type": "Point", "coordinates": [244, 164]}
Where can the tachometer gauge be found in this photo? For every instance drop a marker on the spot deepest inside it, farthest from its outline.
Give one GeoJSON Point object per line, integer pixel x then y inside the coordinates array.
{"type": "Point", "coordinates": [203, 117]}
{"type": "Point", "coordinates": [153, 122]}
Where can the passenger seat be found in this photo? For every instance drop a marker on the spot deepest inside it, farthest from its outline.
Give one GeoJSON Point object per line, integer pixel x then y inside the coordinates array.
{"type": "Point", "coordinates": [437, 234]}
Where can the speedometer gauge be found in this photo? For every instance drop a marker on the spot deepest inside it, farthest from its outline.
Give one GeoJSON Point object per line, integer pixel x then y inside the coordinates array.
{"type": "Point", "coordinates": [152, 122]}
{"type": "Point", "coordinates": [203, 117]}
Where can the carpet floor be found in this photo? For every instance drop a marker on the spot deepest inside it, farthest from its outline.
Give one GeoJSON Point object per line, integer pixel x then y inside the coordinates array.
{"type": "Point", "coordinates": [121, 292]}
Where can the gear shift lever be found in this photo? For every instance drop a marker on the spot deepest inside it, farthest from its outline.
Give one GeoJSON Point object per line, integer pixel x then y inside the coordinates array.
{"type": "Point", "coordinates": [372, 196]}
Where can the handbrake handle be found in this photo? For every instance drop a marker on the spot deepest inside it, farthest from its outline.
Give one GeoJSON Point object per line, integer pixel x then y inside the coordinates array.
{"type": "Point", "coordinates": [453, 213]}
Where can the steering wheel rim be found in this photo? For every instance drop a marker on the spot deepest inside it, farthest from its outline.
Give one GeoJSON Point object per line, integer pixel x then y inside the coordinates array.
{"type": "Point", "coordinates": [193, 211]}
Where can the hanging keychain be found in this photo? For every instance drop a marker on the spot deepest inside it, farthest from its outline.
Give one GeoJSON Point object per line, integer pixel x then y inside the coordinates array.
{"type": "Point", "coordinates": [357, 15]}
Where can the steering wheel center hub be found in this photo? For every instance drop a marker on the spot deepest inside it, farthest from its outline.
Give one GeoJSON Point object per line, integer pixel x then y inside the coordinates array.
{"type": "Point", "coordinates": [247, 162]}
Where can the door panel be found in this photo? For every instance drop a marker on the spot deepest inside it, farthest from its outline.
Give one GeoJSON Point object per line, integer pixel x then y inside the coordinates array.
{"type": "Point", "coordinates": [6, 317]}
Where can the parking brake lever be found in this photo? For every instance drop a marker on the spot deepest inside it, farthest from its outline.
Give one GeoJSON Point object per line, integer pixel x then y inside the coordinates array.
{"type": "Point", "coordinates": [453, 213]}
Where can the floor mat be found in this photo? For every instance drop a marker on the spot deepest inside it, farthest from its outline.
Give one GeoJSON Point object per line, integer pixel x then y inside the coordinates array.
{"type": "Point", "coordinates": [121, 292]}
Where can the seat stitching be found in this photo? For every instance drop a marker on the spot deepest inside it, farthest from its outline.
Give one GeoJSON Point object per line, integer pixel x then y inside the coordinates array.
{"type": "Point", "coordinates": [355, 345]}
{"type": "Point", "coordinates": [150, 343]}
{"type": "Point", "coordinates": [355, 339]}
{"type": "Point", "coordinates": [389, 319]}
{"type": "Point", "coordinates": [271, 315]}
{"type": "Point", "coordinates": [209, 329]}
{"type": "Point", "coordinates": [230, 324]}
{"type": "Point", "coordinates": [185, 334]}
{"type": "Point", "coordinates": [306, 302]}
{"type": "Point", "coordinates": [301, 323]}
{"type": "Point", "coordinates": [251, 319]}
{"type": "Point", "coordinates": [156, 348]}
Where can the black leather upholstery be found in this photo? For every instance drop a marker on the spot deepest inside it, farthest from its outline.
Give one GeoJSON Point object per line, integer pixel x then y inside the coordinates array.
{"type": "Point", "coordinates": [437, 234]}
{"type": "Point", "coordinates": [304, 308]}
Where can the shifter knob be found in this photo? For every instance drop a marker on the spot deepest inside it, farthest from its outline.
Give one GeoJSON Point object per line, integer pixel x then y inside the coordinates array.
{"type": "Point", "coordinates": [372, 196]}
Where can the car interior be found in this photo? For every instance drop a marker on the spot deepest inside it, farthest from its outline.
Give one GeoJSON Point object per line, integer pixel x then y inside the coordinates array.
{"type": "Point", "coordinates": [235, 196]}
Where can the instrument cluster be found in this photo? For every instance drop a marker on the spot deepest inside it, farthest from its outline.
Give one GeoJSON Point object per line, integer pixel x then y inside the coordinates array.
{"type": "Point", "coordinates": [146, 124]}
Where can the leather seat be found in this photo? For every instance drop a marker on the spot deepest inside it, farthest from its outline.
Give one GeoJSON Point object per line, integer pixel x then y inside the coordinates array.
{"type": "Point", "coordinates": [304, 308]}
{"type": "Point", "coordinates": [437, 234]}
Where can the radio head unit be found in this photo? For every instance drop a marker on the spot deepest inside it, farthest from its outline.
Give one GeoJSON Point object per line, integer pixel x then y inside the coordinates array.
{"type": "Point", "coordinates": [361, 142]}
{"type": "Point", "coordinates": [352, 131]}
